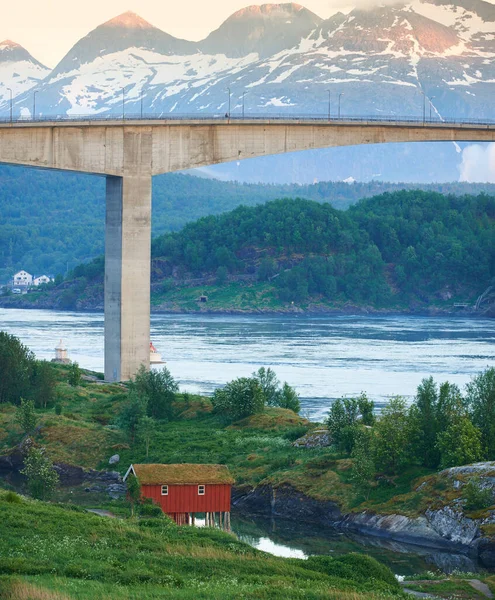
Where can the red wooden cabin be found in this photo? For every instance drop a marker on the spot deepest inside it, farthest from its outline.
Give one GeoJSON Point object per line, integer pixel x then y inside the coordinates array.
{"type": "Point", "coordinates": [184, 490]}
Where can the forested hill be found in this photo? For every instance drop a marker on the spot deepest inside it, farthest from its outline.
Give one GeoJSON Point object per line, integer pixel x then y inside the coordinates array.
{"type": "Point", "coordinates": [407, 250]}
{"type": "Point", "coordinates": [49, 220]}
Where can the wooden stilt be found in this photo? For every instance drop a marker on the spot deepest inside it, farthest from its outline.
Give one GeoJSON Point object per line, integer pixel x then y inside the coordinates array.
{"type": "Point", "coordinates": [193, 519]}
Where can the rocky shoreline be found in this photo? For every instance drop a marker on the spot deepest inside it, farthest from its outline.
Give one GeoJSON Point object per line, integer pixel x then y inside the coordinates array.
{"type": "Point", "coordinates": [443, 529]}
{"type": "Point", "coordinates": [17, 302]}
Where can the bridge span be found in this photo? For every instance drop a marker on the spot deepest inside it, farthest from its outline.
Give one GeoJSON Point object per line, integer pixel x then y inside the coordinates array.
{"type": "Point", "coordinates": [130, 151]}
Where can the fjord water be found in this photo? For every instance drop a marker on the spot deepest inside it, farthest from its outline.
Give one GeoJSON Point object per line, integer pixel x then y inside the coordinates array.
{"type": "Point", "coordinates": [323, 357]}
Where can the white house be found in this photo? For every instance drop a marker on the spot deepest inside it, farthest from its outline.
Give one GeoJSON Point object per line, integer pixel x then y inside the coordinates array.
{"type": "Point", "coordinates": [22, 279]}
{"type": "Point", "coordinates": [41, 280]}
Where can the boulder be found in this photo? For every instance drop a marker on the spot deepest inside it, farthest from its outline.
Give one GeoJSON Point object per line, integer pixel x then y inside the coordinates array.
{"type": "Point", "coordinates": [317, 438]}
{"type": "Point", "coordinates": [115, 459]}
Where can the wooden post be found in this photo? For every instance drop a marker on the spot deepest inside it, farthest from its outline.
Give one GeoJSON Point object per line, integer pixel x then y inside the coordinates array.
{"type": "Point", "coordinates": [193, 519]}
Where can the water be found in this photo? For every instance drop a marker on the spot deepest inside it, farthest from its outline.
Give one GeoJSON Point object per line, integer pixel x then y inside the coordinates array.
{"type": "Point", "coordinates": [322, 357]}
{"type": "Point", "coordinates": [300, 540]}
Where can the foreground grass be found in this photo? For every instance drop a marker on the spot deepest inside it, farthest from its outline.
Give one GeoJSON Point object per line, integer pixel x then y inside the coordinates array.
{"type": "Point", "coordinates": [51, 552]}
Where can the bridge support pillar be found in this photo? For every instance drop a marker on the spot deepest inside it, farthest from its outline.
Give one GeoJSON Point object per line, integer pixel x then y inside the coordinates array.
{"type": "Point", "coordinates": [127, 275]}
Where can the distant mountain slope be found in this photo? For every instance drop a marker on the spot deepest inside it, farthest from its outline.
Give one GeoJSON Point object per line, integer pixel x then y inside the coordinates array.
{"type": "Point", "coordinates": [49, 220]}
{"type": "Point", "coordinates": [18, 70]}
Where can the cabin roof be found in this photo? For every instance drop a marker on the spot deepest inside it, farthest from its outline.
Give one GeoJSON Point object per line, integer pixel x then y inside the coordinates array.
{"type": "Point", "coordinates": [181, 474]}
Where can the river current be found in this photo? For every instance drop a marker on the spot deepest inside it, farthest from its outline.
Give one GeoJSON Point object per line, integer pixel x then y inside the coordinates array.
{"type": "Point", "coordinates": [322, 357]}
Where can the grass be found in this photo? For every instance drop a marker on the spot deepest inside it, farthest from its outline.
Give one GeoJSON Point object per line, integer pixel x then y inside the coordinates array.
{"type": "Point", "coordinates": [54, 552]}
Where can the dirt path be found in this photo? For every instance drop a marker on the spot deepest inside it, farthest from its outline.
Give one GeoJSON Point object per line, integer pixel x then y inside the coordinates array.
{"type": "Point", "coordinates": [102, 513]}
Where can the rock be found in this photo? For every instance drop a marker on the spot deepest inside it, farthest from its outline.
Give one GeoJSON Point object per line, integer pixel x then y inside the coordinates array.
{"type": "Point", "coordinates": [116, 490]}
{"type": "Point", "coordinates": [115, 459]}
{"type": "Point", "coordinates": [318, 438]}
{"type": "Point", "coordinates": [285, 502]}
{"type": "Point", "coordinates": [452, 525]}
{"type": "Point", "coordinates": [486, 553]}
{"type": "Point", "coordinates": [482, 468]}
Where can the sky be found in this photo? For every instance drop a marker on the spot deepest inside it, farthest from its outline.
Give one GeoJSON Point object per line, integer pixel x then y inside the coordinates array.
{"type": "Point", "coordinates": [49, 29]}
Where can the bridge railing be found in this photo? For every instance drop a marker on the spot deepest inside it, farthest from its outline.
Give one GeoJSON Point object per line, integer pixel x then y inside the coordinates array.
{"type": "Point", "coordinates": [316, 118]}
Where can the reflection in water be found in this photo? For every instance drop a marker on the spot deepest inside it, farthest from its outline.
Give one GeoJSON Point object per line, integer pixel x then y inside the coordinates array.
{"type": "Point", "coordinates": [322, 357]}
{"type": "Point", "coordinates": [300, 540]}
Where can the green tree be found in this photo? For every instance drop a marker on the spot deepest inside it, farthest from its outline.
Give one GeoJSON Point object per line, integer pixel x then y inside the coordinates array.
{"type": "Point", "coordinates": [366, 409]}
{"type": "Point", "coordinates": [480, 396]}
{"type": "Point", "coordinates": [342, 423]}
{"type": "Point", "coordinates": [222, 275]}
{"type": "Point", "coordinates": [74, 375]}
{"type": "Point", "coordinates": [460, 444]}
{"type": "Point", "coordinates": [15, 368]}
{"type": "Point", "coordinates": [451, 406]}
{"type": "Point", "coordinates": [269, 384]}
{"type": "Point", "coordinates": [146, 431]}
{"type": "Point", "coordinates": [424, 422]}
{"type": "Point", "coordinates": [133, 492]}
{"type": "Point", "coordinates": [25, 416]}
{"type": "Point", "coordinates": [158, 388]}
{"type": "Point", "coordinates": [43, 382]}
{"type": "Point", "coordinates": [240, 398]}
{"type": "Point", "coordinates": [392, 440]}
{"type": "Point", "coordinates": [41, 477]}
{"type": "Point", "coordinates": [288, 398]}
{"type": "Point", "coordinates": [132, 413]}
{"type": "Point", "coordinates": [363, 465]}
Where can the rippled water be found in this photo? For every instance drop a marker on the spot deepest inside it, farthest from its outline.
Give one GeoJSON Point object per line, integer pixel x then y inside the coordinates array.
{"type": "Point", "coordinates": [322, 357]}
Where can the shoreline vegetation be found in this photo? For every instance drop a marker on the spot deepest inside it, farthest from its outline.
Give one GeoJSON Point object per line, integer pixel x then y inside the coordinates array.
{"type": "Point", "coordinates": [421, 474]}
{"type": "Point", "coordinates": [407, 252]}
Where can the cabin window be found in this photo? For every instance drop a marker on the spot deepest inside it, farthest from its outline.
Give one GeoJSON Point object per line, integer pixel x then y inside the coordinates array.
{"type": "Point", "coordinates": [201, 490]}
{"type": "Point", "coordinates": [164, 490]}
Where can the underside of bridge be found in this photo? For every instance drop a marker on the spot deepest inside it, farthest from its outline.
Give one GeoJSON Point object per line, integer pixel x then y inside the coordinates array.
{"type": "Point", "coordinates": [130, 153]}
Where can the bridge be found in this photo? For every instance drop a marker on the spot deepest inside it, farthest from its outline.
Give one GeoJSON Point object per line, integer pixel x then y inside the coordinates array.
{"type": "Point", "coordinates": [129, 151]}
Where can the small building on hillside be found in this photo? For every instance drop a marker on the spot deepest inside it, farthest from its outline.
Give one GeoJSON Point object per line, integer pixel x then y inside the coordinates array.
{"type": "Point", "coordinates": [184, 490]}
{"type": "Point", "coordinates": [41, 280]}
{"type": "Point", "coordinates": [22, 279]}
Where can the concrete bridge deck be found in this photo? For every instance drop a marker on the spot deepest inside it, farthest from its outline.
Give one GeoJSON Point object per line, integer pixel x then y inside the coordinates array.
{"type": "Point", "coordinates": [129, 151]}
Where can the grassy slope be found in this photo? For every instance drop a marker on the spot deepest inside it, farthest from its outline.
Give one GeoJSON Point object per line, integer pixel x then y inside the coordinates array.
{"type": "Point", "coordinates": [50, 552]}
{"type": "Point", "coordinates": [258, 450]}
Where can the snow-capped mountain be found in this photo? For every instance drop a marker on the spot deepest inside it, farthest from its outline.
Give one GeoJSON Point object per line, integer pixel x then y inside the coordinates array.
{"type": "Point", "coordinates": [19, 71]}
{"type": "Point", "coordinates": [426, 56]}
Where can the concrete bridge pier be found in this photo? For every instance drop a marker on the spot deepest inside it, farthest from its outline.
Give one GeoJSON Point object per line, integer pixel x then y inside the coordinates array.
{"type": "Point", "coordinates": [127, 275]}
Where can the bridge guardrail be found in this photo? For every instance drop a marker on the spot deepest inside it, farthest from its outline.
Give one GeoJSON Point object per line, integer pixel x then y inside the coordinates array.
{"type": "Point", "coordinates": [316, 118]}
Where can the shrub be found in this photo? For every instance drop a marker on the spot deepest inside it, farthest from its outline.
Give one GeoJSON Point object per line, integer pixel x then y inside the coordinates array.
{"type": "Point", "coordinates": [476, 496]}
{"type": "Point", "coordinates": [240, 398]}
{"type": "Point", "coordinates": [149, 509]}
{"type": "Point", "coordinates": [25, 416]}
{"type": "Point", "coordinates": [58, 409]}
{"type": "Point", "coordinates": [13, 498]}
{"type": "Point", "coordinates": [41, 476]}
{"type": "Point", "coordinates": [158, 388]}
{"type": "Point", "coordinates": [74, 375]}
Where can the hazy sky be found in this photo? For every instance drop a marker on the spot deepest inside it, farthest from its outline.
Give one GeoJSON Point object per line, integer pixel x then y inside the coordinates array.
{"type": "Point", "coordinates": [49, 29]}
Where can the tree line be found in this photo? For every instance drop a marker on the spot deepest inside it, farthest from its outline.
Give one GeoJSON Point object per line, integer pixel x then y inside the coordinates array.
{"type": "Point", "coordinates": [441, 428]}
{"type": "Point", "coordinates": [52, 221]}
